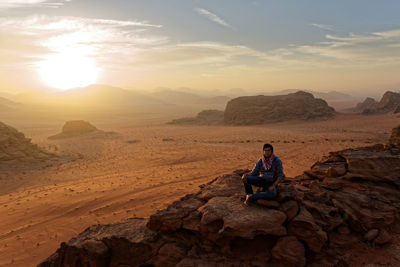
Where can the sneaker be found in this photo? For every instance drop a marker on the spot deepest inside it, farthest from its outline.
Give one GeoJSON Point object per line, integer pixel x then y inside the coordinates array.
{"type": "Point", "coordinates": [247, 202]}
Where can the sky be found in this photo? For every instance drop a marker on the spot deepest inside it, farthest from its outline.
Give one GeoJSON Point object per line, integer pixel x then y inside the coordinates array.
{"type": "Point", "coordinates": [260, 45]}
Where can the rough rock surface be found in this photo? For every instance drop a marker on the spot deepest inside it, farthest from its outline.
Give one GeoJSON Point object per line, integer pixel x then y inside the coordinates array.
{"type": "Point", "coordinates": [205, 117]}
{"type": "Point", "coordinates": [14, 148]}
{"type": "Point", "coordinates": [395, 137]}
{"type": "Point", "coordinates": [79, 128]}
{"type": "Point", "coordinates": [250, 110]}
{"type": "Point", "coordinates": [350, 197]}
{"type": "Point", "coordinates": [390, 103]}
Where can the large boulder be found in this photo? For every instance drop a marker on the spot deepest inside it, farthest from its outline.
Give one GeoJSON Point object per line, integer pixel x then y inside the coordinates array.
{"type": "Point", "coordinates": [250, 110]}
{"type": "Point", "coordinates": [389, 103]}
{"type": "Point", "coordinates": [349, 197]}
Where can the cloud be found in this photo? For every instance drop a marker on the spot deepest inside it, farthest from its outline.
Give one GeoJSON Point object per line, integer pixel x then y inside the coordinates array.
{"type": "Point", "coordinates": [30, 3]}
{"type": "Point", "coordinates": [211, 16]}
{"type": "Point", "coordinates": [122, 45]}
{"type": "Point", "coordinates": [34, 38]}
{"type": "Point", "coordinates": [323, 27]}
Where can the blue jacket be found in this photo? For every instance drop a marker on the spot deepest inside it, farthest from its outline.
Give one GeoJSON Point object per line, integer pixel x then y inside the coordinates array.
{"type": "Point", "coordinates": [275, 172]}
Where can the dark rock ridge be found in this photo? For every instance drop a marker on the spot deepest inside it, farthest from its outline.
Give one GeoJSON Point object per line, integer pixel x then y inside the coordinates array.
{"type": "Point", "coordinates": [78, 128]}
{"type": "Point", "coordinates": [390, 103]}
{"type": "Point", "coordinates": [15, 147]}
{"type": "Point", "coordinates": [205, 117]}
{"type": "Point", "coordinates": [250, 110]}
{"type": "Point", "coordinates": [349, 198]}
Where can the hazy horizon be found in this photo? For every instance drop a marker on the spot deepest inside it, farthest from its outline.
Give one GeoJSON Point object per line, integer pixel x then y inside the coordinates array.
{"type": "Point", "coordinates": [207, 45]}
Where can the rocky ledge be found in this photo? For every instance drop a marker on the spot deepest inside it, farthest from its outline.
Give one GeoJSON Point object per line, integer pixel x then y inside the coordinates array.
{"type": "Point", "coordinates": [349, 198]}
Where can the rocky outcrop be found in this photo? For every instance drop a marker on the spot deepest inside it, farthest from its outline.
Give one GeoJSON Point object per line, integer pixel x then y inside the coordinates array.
{"type": "Point", "coordinates": [205, 117]}
{"type": "Point", "coordinates": [390, 103]}
{"type": "Point", "coordinates": [350, 197]}
{"type": "Point", "coordinates": [250, 110]}
{"type": "Point", "coordinates": [15, 147]}
{"type": "Point", "coordinates": [79, 128]}
{"type": "Point", "coordinates": [395, 137]}
{"type": "Point", "coordinates": [367, 104]}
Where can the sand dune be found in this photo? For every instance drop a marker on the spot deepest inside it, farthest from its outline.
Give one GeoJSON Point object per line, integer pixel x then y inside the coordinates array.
{"type": "Point", "coordinates": [118, 178]}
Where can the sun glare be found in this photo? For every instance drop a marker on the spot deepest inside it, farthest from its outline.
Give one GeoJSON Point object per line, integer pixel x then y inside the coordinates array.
{"type": "Point", "coordinates": [66, 71]}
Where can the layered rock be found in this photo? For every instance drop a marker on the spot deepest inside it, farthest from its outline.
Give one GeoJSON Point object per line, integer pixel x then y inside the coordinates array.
{"type": "Point", "coordinates": [205, 117]}
{"type": "Point", "coordinates": [390, 103]}
{"type": "Point", "coordinates": [250, 110]}
{"type": "Point", "coordinates": [79, 128]}
{"type": "Point", "coordinates": [15, 147]}
{"type": "Point", "coordinates": [349, 197]}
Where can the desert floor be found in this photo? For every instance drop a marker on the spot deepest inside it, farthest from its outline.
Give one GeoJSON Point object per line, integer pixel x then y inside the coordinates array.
{"type": "Point", "coordinates": [146, 167]}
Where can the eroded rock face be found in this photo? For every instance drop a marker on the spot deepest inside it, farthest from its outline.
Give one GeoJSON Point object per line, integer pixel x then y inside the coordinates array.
{"type": "Point", "coordinates": [349, 197]}
{"type": "Point", "coordinates": [368, 103]}
{"type": "Point", "coordinates": [250, 110]}
{"type": "Point", "coordinates": [389, 103]}
{"type": "Point", "coordinates": [14, 147]}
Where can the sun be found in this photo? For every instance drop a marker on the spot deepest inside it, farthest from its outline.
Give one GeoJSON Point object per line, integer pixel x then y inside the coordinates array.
{"type": "Point", "coordinates": [66, 71]}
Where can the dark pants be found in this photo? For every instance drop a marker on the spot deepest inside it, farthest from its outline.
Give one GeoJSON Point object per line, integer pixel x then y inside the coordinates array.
{"type": "Point", "coordinates": [257, 181]}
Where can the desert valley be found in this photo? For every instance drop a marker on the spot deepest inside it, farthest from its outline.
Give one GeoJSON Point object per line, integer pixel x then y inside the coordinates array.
{"type": "Point", "coordinates": [105, 171]}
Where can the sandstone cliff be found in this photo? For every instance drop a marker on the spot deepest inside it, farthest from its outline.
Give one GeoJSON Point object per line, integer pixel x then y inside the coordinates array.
{"type": "Point", "coordinates": [390, 103]}
{"type": "Point", "coordinates": [367, 104]}
{"type": "Point", "coordinates": [250, 110]}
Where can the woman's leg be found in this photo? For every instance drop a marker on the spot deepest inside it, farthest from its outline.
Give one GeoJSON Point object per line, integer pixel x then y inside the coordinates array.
{"type": "Point", "coordinates": [253, 180]}
{"type": "Point", "coordinates": [265, 195]}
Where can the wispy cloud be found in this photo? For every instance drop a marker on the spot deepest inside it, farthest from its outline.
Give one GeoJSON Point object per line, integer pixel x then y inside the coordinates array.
{"type": "Point", "coordinates": [323, 27]}
{"type": "Point", "coordinates": [211, 16]}
{"type": "Point", "coordinates": [31, 3]}
{"type": "Point", "coordinates": [35, 37]}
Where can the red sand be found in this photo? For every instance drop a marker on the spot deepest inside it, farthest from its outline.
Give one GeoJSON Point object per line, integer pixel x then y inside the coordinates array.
{"type": "Point", "coordinates": [117, 180]}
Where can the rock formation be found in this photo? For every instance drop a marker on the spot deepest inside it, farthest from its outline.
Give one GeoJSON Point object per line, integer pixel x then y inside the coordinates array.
{"type": "Point", "coordinates": [249, 110]}
{"type": "Point", "coordinates": [395, 137]}
{"type": "Point", "coordinates": [367, 104]}
{"type": "Point", "coordinates": [78, 128]}
{"type": "Point", "coordinates": [14, 148]}
{"type": "Point", "coordinates": [390, 103]}
{"type": "Point", "coordinates": [349, 198]}
{"type": "Point", "coordinates": [205, 117]}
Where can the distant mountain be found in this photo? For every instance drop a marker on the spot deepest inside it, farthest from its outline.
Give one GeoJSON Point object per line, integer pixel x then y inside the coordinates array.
{"type": "Point", "coordinates": [6, 104]}
{"type": "Point", "coordinates": [179, 97]}
{"type": "Point", "coordinates": [94, 96]}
